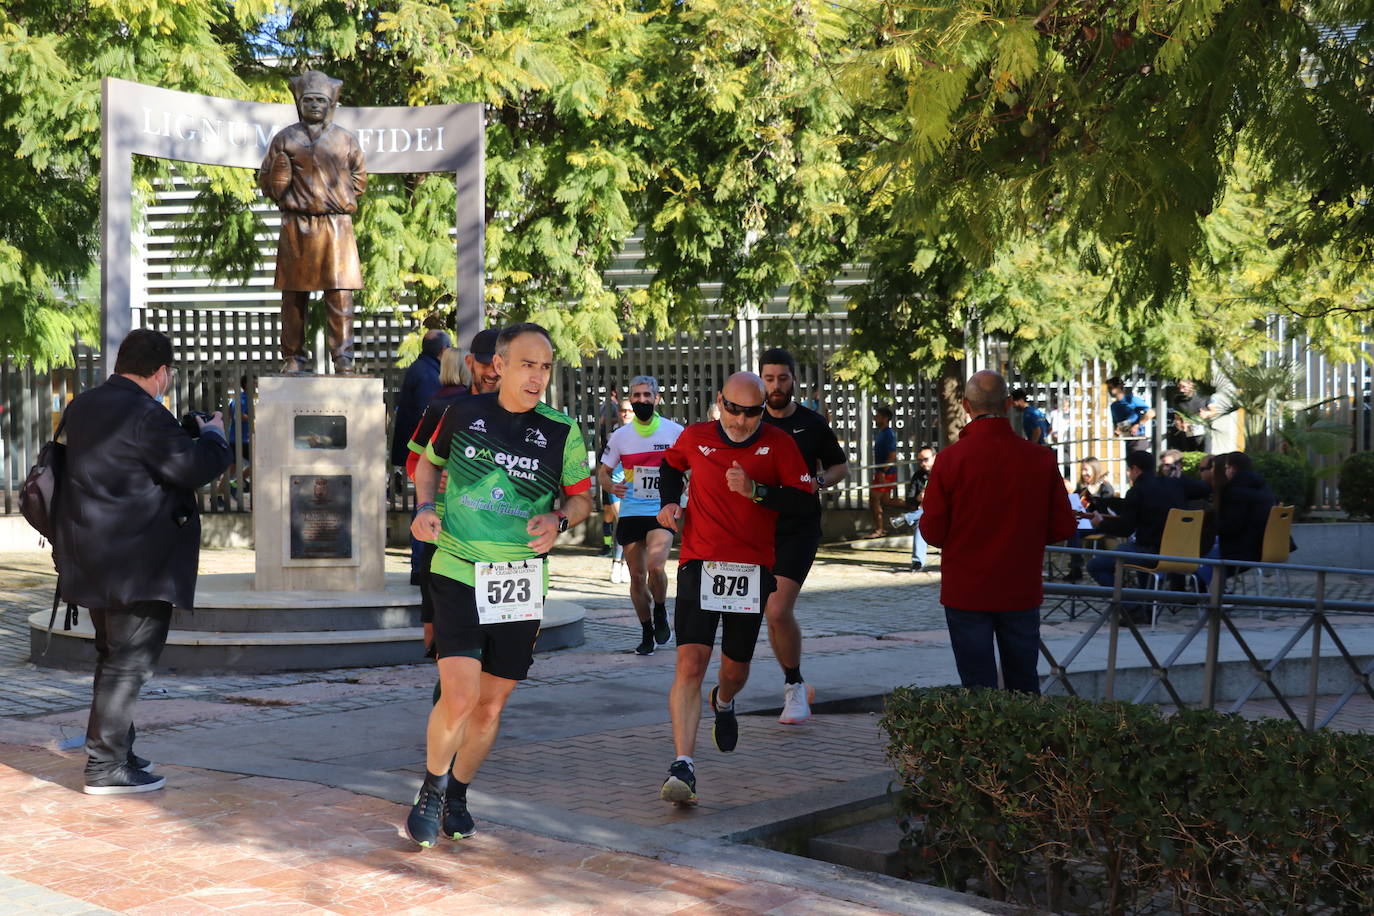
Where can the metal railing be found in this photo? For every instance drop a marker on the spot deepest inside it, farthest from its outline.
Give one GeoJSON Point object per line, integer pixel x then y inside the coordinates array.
{"type": "Point", "coordinates": [1215, 614]}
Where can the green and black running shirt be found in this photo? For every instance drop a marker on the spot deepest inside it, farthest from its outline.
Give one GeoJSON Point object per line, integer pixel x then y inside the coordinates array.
{"type": "Point", "coordinates": [503, 469]}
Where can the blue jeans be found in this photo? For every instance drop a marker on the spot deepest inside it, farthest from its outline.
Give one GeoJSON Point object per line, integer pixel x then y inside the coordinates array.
{"type": "Point", "coordinates": [1102, 568]}
{"type": "Point", "coordinates": [971, 635]}
{"type": "Point", "coordinates": [918, 543]}
{"type": "Point", "coordinates": [1204, 573]}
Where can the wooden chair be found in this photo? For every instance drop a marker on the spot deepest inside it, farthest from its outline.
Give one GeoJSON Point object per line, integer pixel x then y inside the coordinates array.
{"type": "Point", "coordinates": [1182, 538]}
{"type": "Point", "coordinates": [1278, 543]}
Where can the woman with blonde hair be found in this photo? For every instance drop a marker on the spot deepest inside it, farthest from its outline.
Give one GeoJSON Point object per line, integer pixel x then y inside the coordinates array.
{"type": "Point", "coordinates": [1092, 485]}
{"type": "Point", "coordinates": [453, 370]}
{"type": "Point", "coordinates": [1091, 488]}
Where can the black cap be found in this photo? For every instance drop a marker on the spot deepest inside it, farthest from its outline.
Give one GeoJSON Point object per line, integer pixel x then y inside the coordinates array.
{"type": "Point", "coordinates": [483, 346]}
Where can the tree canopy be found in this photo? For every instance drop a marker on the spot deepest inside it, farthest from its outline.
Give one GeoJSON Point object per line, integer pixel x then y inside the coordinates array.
{"type": "Point", "coordinates": [1137, 180]}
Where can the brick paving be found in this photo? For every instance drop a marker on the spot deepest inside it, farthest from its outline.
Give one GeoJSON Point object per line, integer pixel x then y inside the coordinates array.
{"type": "Point", "coordinates": [213, 843]}
{"type": "Point", "coordinates": [219, 842]}
{"type": "Point", "coordinates": [627, 766]}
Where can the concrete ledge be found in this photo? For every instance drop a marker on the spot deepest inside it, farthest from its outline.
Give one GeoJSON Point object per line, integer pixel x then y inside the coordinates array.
{"type": "Point", "coordinates": [1345, 544]}
{"type": "Point", "coordinates": [1234, 677]}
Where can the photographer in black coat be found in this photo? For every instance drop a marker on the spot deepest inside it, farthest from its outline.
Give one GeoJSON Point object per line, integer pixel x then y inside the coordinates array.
{"type": "Point", "coordinates": [127, 538]}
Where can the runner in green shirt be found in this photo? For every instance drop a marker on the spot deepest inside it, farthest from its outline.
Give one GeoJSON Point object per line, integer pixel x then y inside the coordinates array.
{"type": "Point", "coordinates": [508, 458]}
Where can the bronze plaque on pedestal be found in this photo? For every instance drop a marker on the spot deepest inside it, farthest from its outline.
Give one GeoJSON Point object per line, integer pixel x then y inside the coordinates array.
{"type": "Point", "coordinates": [321, 516]}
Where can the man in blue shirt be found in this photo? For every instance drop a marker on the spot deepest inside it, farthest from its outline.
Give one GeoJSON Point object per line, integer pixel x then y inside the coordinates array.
{"type": "Point", "coordinates": [1131, 416]}
{"type": "Point", "coordinates": [883, 492]}
{"type": "Point", "coordinates": [1034, 424]}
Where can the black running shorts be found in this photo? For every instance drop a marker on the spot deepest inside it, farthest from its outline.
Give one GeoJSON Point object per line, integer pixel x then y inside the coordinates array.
{"type": "Point", "coordinates": [632, 528]}
{"type": "Point", "coordinates": [794, 554]}
{"type": "Point", "coordinates": [504, 649]}
{"type": "Point", "coordinates": [739, 632]}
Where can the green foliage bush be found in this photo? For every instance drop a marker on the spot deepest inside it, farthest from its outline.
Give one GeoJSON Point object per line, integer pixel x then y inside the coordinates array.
{"type": "Point", "coordinates": [1191, 460]}
{"type": "Point", "coordinates": [1040, 798]}
{"type": "Point", "coordinates": [1357, 485]}
{"type": "Point", "coordinates": [1291, 478]}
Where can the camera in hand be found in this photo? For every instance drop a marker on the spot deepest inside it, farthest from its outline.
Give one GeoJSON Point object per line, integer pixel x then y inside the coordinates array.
{"type": "Point", "coordinates": [189, 421]}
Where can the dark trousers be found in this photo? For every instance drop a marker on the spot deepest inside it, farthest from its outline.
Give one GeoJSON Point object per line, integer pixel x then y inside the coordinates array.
{"type": "Point", "coordinates": [971, 635]}
{"type": "Point", "coordinates": [128, 642]}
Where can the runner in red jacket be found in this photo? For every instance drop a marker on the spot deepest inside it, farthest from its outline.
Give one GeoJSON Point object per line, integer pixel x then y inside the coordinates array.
{"type": "Point", "coordinates": [744, 474]}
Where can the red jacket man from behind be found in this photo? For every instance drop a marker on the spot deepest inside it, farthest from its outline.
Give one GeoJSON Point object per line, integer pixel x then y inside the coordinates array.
{"type": "Point", "coordinates": [993, 502]}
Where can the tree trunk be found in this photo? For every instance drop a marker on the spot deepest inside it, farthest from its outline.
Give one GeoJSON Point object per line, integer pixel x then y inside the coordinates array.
{"type": "Point", "coordinates": [951, 395]}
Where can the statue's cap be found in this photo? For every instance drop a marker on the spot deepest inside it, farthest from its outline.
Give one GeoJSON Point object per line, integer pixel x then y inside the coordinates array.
{"type": "Point", "coordinates": [315, 81]}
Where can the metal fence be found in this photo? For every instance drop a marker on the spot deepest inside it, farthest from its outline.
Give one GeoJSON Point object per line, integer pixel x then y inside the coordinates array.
{"type": "Point", "coordinates": [1216, 611]}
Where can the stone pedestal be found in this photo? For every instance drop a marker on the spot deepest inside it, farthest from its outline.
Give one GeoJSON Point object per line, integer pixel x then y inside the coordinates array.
{"type": "Point", "coordinates": [319, 483]}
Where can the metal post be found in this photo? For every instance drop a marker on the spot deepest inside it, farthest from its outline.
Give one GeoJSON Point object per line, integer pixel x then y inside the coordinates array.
{"type": "Point", "coordinates": [1109, 688]}
{"type": "Point", "coordinates": [1209, 675]}
{"type": "Point", "coordinates": [1315, 664]}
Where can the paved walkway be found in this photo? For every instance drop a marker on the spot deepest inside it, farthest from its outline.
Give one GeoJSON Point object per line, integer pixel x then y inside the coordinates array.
{"type": "Point", "coordinates": [285, 791]}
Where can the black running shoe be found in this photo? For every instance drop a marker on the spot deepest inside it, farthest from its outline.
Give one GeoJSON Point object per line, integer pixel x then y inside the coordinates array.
{"type": "Point", "coordinates": [646, 645]}
{"type": "Point", "coordinates": [422, 824]}
{"type": "Point", "coordinates": [725, 731]}
{"type": "Point", "coordinates": [458, 823]}
{"type": "Point", "coordinates": [681, 785]}
{"type": "Point", "coordinates": [662, 632]}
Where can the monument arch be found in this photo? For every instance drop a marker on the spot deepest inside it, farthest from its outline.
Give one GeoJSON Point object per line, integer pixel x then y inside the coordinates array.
{"type": "Point", "coordinates": [137, 119]}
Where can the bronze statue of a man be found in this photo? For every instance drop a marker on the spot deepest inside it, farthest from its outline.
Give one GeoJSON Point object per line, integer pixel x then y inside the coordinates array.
{"type": "Point", "coordinates": [314, 172]}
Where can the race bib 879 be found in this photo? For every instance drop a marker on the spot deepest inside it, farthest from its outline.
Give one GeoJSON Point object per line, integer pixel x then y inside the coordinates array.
{"type": "Point", "coordinates": [731, 588]}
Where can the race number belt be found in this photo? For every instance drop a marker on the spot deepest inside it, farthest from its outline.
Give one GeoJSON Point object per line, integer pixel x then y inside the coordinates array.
{"type": "Point", "coordinates": [508, 592]}
{"type": "Point", "coordinates": [731, 588]}
{"type": "Point", "coordinates": [646, 483]}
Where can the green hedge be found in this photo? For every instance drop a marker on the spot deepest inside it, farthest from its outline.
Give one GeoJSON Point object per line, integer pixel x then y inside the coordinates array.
{"type": "Point", "coordinates": [1291, 478]}
{"type": "Point", "coordinates": [1357, 485]}
{"type": "Point", "coordinates": [1058, 801]}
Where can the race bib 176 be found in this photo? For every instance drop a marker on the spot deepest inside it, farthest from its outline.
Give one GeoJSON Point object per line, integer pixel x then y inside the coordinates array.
{"type": "Point", "coordinates": [646, 483]}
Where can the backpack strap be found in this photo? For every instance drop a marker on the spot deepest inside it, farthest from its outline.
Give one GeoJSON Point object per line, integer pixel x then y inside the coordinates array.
{"type": "Point", "coordinates": [69, 619]}
{"type": "Point", "coordinates": [56, 595]}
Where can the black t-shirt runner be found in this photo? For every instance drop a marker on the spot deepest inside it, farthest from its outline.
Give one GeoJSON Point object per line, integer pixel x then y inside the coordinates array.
{"type": "Point", "coordinates": [820, 449]}
{"type": "Point", "coordinates": [503, 469]}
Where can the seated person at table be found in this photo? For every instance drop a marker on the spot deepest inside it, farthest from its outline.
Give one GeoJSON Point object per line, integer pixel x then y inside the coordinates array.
{"type": "Point", "coordinates": [1141, 515]}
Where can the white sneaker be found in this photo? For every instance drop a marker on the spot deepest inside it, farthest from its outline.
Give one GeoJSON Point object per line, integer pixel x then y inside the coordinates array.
{"type": "Point", "coordinates": [615, 570]}
{"type": "Point", "coordinates": [796, 704]}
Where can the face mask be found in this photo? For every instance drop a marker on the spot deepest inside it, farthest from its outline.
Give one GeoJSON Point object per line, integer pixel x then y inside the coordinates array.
{"type": "Point", "coordinates": [644, 411]}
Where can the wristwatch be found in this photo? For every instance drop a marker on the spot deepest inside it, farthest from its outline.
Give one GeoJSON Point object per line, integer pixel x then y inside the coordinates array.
{"type": "Point", "coordinates": [760, 491]}
{"type": "Point", "coordinates": [562, 520]}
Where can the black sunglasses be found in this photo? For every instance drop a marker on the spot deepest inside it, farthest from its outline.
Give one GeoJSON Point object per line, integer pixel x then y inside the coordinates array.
{"type": "Point", "coordinates": [749, 410]}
